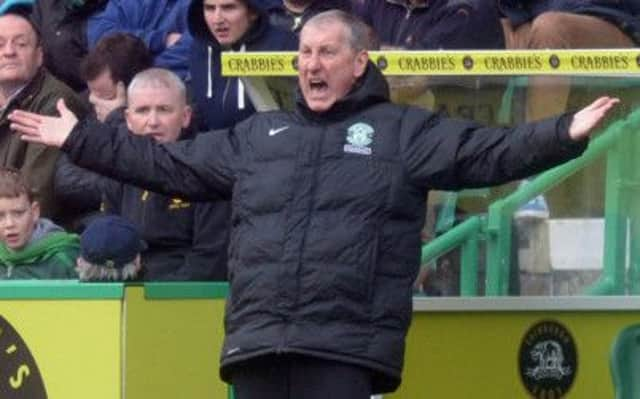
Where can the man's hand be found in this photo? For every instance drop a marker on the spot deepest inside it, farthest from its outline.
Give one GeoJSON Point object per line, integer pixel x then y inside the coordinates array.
{"type": "Point", "coordinates": [103, 107]}
{"type": "Point", "coordinates": [48, 130]}
{"type": "Point", "coordinates": [172, 38]}
{"type": "Point", "coordinates": [588, 118]}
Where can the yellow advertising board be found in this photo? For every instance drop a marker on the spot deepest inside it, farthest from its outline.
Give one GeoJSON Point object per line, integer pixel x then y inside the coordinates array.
{"type": "Point", "coordinates": [173, 340]}
{"type": "Point", "coordinates": [69, 340]}
{"type": "Point", "coordinates": [458, 62]}
{"type": "Point", "coordinates": [64, 340]}
{"type": "Point", "coordinates": [488, 348]}
{"type": "Point", "coordinates": [60, 340]}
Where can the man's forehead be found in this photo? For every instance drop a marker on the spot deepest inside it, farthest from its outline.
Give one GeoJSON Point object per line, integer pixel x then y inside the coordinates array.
{"type": "Point", "coordinates": [162, 95]}
{"type": "Point", "coordinates": [22, 27]}
{"type": "Point", "coordinates": [329, 31]}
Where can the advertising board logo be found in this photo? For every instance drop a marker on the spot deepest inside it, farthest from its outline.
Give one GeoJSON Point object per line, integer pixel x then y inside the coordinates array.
{"type": "Point", "coordinates": [19, 375]}
{"type": "Point", "coordinates": [382, 63]}
{"type": "Point", "coordinates": [548, 360]}
{"type": "Point", "coordinates": [467, 62]}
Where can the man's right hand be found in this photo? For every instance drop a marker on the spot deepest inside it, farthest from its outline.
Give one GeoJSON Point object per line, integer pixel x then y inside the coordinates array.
{"type": "Point", "coordinates": [48, 130]}
{"type": "Point", "coordinates": [103, 107]}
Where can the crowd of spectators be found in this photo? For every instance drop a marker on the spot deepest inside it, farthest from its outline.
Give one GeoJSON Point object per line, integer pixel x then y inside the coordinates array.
{"type": "Point", "coordinates": [96, 55]}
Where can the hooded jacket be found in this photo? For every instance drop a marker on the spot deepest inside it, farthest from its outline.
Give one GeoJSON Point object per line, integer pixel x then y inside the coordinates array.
{"type": "Point", "coordinates": [50, 254]}
{"type": "Point", "coordinates": [625, 14]}
{"type": "Point", "coordinates": [151, 21]}
{"type": "Point", "coordinates": [327, 212]}
{"type": "Point", "coordinates": [221, 102]}
{"type": "Point", "coordinates": [438, 24]}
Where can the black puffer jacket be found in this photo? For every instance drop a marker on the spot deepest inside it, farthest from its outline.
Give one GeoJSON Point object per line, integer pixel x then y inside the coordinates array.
{"type": "Point", "coordinates": [327, 212]}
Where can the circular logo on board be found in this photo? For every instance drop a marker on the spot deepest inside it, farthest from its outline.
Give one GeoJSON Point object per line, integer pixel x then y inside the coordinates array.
{"type": "Point", "coordinates": [467, 62]}
{"type": "Point", "coordinates": [19, 374]}
{"type": "Point", "coordinates": [548, 360]}
{"type": "Point", "coordinates": [382, 63]}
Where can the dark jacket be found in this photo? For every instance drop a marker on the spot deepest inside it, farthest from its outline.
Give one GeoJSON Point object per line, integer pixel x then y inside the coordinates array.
{"type": "Point", "coordinates": [327, 213]}
{"type": "Point", "coordinates": [439, 24]}
{"type": "Point", "coordinates": [80, 189]}
{"type": "Point", "coordinates": [186, 241]}
{"type": "Point", "coordinates": [625, 14]}
{"type": "Point", "coordinates": [151, 21]}
{"type": "Point", "coordinates": [36, 161]}
{"type": "Point", "coordinates": [50, 254]}
{"type": "Point", "coordinates": [219, 102]}
{"type": "Point", "coordinates": [63, 29]}
{"type": "Point", "coordinates": [281, 17]}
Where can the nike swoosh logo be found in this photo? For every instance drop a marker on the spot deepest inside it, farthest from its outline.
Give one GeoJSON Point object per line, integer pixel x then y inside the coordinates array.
{"type": "Point", "coordinates": [273, 132]}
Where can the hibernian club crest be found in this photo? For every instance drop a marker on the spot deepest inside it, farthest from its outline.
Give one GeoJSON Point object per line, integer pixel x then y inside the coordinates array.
{"type": "Point", "coordinates": [359, 138]}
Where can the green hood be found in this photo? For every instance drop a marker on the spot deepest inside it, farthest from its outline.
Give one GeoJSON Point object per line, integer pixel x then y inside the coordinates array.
{"type": "Point", "coordinates": [53, 244]}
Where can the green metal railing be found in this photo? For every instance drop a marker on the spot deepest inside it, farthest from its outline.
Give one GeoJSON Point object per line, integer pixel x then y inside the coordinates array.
{"type": "Point", "coordinates": [622, 219]}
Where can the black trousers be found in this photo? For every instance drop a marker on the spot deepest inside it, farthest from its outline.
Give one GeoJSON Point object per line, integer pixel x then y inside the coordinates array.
{"type": "Point", "coordinates": [300, 377]}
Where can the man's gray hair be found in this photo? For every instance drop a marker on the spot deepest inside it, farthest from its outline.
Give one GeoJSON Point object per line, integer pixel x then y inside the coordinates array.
{"type": "Point", "coordinates": [360, 35]}
{"type": "Point", "coordinates": [88, 271]}
{"type": "Point", "coordinates": [158, 77]}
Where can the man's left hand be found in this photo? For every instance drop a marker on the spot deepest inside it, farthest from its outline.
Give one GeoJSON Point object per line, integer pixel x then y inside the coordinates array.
{"type": "Point", "coordinates": [588, 118]}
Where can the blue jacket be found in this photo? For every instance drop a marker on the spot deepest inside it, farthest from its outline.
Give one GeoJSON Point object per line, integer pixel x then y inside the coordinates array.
{"type": "Point", "coordinates": [622, 13]}
{"type": "Point", "coordinates": [438, 24]}
{"type": "Point", "coordinates": [152, 21]}
{"type": "Point", "coordinates": [221, 102]}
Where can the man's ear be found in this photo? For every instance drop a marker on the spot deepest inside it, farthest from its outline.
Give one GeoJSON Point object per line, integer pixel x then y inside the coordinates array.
{"type": "Point", "coordinates": [126, 118]}
{"type": "Point", "coordinates": [35, 209]}
{"type": "Point", "coordinates": [187, 113]}
{"type": "Point", "coordinates": [40, 55]}
{"type": "Point", "coordinates": [361, 60]}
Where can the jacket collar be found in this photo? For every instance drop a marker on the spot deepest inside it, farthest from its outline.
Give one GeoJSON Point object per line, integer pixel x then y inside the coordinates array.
{"type": "Point", "coordinates": [26, 93]}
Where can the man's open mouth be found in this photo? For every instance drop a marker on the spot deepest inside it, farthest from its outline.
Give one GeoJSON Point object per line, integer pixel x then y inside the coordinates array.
{"type": "Point", "coordinates": [318, 85]}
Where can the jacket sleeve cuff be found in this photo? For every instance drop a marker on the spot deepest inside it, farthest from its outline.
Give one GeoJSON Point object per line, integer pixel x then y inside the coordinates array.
{"type": "Point", "coordinates": [562, 131]}
{"type": "Point", "coordinates": [74, 137]}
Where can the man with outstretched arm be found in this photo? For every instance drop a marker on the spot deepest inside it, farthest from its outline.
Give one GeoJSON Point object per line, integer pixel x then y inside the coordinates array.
{"type": "Point", "coordinates": [328, 204]}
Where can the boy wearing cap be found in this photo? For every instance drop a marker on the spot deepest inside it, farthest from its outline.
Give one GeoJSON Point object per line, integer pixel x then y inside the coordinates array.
{"type": "Point", "coordinates": [32, 247]}
{"type": "Point", "coordinates": [110, 249]}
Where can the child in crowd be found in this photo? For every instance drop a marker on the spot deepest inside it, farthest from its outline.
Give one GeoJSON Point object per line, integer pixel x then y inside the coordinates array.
{"type": "Point", "coordinates": [110, 250]}
{"type": "Point", "coordinates": [32, 247]}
